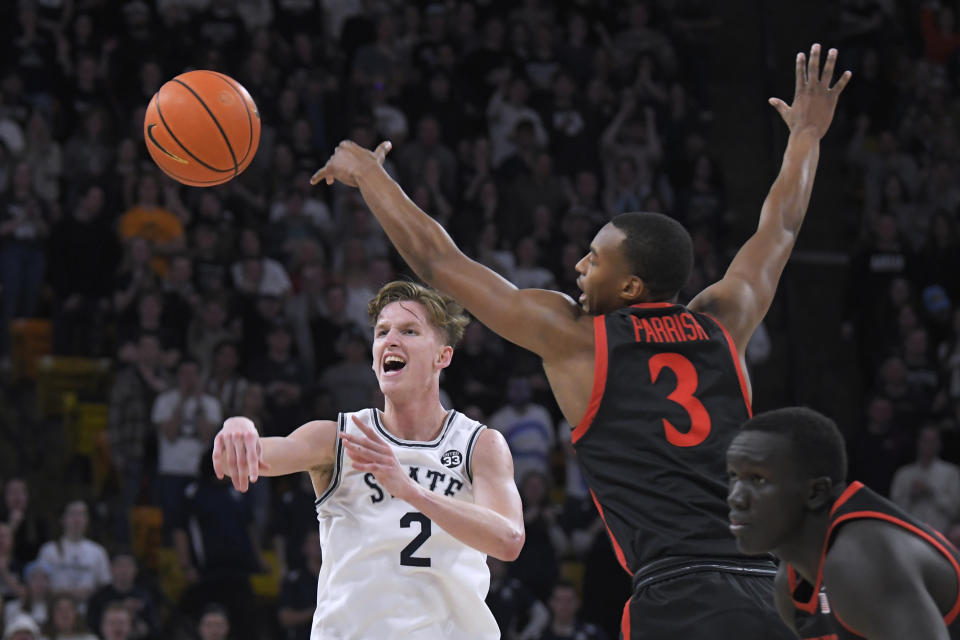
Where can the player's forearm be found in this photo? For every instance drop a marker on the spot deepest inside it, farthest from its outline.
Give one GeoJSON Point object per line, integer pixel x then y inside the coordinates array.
{"type": "Point", "coordinates": [474, 525]}
{"type": "Point", "coordinates": [420, 239]}
{"type": "Point", "coordinates": [787, 201]}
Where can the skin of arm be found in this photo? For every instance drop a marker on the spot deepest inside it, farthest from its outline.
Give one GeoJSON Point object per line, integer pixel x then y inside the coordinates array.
{"type": "Point", "coordinates": [538, 320]}
{"type": "Point", "coordinates": [741, 299]}
{"type": "Point", "coordinates": [875, 584]}
{"type": "Point", "coordinates": [240, 453]}
{"type": "Point", "coordinates": [493, 523]}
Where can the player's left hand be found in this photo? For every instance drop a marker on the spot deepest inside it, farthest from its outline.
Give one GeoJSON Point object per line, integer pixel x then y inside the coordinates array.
{"type": "Point", "coordinates": [349, 161]}
{"type": "Point", "coordinates": [814, 100]}
{"type": "Point", "coordinates": [370, 453]}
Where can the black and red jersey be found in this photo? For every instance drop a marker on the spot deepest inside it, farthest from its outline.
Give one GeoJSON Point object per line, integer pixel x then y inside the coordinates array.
{"type": "Point", "coordinates": [814, 618]}
{"type": "Point", "coordinates": [668, 396]}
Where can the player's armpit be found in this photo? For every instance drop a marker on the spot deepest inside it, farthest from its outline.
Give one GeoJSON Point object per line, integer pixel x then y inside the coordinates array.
{"type": "Point", "coordinates": [741, 299]}
{"type": "Point", "coordinates": [875, 586]}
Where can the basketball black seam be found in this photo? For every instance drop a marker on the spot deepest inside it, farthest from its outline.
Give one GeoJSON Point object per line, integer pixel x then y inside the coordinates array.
{"type": "Point", "coordinates": [191, 182]}
{"type": "Point", "coordinates": [230, 81]}
{"type": "Point", "coordinates": [215, 121]}
{"type": "Point", "coordinates": [182, 146]}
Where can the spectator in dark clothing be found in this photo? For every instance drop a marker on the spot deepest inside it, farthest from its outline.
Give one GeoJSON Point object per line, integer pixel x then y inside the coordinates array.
{"type": "Point", "coordinates": [282, 377]}
{"type": "Point", "coordinates": [564, 623]}
{"type": "Point", "coordinates": [129, 430]}
{"type": "Point", "coordinates": [124, 590]}
{"type": "Point", "coordinates": [221, 552]}
{"type": "Point", "coordinates": [538, 566]}
{"type": "Point", "coordinates": [881, 448]}
{"type": "Point", "coordinates": [29, 527]}
{"type": "Point", "coordinates": [518, 612]}
{"type": "Point", "coordinates": [294, 518]}
{"type": "Point", "coordinates": [298, 593]}
{"type": "Point", "coordinates": [83, 257]}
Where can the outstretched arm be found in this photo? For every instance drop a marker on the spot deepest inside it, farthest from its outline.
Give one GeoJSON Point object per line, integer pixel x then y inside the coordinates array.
{"type": "Point", "coordinates": [741, 299]}
{"type": "Point", "coordinates": [493, 523]}
{"type": "Point", "coordinates": [542, 321]}
{"type": "Point", "coordinates": [240, 453]}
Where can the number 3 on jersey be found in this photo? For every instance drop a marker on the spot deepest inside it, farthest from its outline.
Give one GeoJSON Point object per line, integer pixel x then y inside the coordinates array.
{"type": "Point", "coordinates": [687, 381]}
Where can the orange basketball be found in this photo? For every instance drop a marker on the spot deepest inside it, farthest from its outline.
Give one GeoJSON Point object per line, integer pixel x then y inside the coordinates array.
{"type": "Point", "coordinates": [202, 128]}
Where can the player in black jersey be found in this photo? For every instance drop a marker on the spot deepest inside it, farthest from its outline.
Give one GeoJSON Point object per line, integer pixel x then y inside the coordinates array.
{"type": "Point", "coordinates": [655, 389]}
{"type": "Point", "coordinates": [853, 565]}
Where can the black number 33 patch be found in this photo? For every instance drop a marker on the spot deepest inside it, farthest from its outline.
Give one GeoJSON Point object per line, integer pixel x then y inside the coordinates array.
{"type": "Point", "coordinates": [451, 458]}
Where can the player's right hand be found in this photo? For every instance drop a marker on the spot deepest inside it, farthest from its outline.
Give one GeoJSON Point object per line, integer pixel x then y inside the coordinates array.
{"type": "Point", "coordinates": [348, 161]}
{"type": "Point", "coordinates": [237, 452]}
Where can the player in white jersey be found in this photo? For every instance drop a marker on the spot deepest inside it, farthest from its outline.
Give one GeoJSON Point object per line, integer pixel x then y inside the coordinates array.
{"type": "Point", "coordinates": [410, 499]}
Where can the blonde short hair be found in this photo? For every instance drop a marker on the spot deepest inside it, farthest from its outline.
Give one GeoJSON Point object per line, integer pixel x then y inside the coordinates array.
{"type": "Point", "coordinates": [445, 314]}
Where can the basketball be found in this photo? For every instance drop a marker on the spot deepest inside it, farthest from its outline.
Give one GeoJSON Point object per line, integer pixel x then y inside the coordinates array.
{"type": "Point", "coordinates": [202, 128]}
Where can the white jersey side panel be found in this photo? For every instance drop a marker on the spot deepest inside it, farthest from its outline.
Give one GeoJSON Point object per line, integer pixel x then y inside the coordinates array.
{"type": "Point", "coordinates": [388, 571]}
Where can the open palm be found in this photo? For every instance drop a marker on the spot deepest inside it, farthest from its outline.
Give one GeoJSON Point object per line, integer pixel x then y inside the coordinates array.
{"type": "Point", "coordinates": [814, 100]}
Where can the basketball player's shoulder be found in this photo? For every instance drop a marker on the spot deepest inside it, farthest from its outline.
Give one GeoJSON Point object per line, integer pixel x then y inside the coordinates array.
{"type": "Point", "coordinates": [865, 552]}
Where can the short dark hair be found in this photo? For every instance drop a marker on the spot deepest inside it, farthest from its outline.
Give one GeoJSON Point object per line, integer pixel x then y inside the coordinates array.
{"type": "Point", "coordinates": [816, 444]}
{"type": "Point", "coordinates": [658, 250]}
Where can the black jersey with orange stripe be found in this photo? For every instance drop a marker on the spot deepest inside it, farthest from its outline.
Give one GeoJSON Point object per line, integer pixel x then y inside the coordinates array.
{"type": "Point", "coordinates": [668, 396]}
{"type": "Point", "coordinates": [814, 618]}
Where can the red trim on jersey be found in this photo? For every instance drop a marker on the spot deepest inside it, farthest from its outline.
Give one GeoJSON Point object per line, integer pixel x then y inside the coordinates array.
{"type": "Point", "coordinates": [653, 305]}
{"type": "Point", "coordinates": [811, 605]}
{"type": "Point", "coordinates": [616, 545]}
{"type": "Point", "coordinates": [599, 377]}
{"type": "Point", "coordinates": [846, 626]}
{"type": "Point", "coordinates": [849, 491]}
{"type": "Point", "coordinates": [951, 615]}
{"type": "Point", "coordinates": [741, 376]}
{"type": "Point", "coordinates": [625, 620]}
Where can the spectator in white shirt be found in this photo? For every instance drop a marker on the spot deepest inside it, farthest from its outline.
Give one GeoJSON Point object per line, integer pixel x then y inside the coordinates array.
{"type": "Point", "coordinates": [928, 489]}
{"type": "Point", "coordinates": [78, 565]}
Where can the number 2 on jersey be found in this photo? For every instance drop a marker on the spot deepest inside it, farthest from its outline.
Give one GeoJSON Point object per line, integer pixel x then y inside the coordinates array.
{"type": "Point", "coordinates": [406, 554]}
{"type": "Point", "coordinates": [687, 381]}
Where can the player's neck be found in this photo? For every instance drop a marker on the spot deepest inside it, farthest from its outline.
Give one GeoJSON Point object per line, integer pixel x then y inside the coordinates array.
{"type": "Point", "coordinates": [804, 550]}
{"type": "Point", "coordinates": [418, 420]}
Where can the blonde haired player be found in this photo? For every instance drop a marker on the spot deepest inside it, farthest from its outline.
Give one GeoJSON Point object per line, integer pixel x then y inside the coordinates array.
{"type": "Point", "coordinates": [422, 495]}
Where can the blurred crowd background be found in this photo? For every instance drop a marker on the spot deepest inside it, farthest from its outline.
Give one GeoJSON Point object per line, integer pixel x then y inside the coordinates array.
{"type": "Point", "coordinates": [138, 313]}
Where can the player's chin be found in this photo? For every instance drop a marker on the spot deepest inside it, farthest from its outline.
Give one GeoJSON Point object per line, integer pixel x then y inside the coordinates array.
{"type": "Point", "coordinates": [750, 546]}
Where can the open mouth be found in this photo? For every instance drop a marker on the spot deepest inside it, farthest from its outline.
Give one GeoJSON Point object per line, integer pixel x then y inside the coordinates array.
{"type": "Point", "coordinates": [393, 363]}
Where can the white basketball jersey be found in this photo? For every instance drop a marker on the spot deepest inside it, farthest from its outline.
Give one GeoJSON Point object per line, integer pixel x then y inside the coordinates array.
{"type": "Point", "coordinates": [388, 570]}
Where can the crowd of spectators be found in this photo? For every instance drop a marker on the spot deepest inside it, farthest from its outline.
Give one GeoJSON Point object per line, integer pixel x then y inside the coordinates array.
{"type": "Point", "coordinates": [903, 282]}
{"type": "Point", "coordinates": [522, 127]}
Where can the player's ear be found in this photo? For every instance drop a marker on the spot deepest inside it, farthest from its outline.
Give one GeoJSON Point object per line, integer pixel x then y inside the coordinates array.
{"type": "Point", "coordinates": [819, 493]}
{"type": "Point", "coordinates": [633, 288]}
{"type": "Point", "coordinates": [444, 356]}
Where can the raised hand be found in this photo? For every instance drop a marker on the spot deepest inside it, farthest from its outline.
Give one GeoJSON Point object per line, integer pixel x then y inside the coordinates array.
{"type": "Point", "coordinates": [814, 100]}
{"type": "Point", "coordinates": [350, 160]}
{"type": "Point", "coordinates": [370, 453]}
{"type": "Point", "coordinates": [237, 452]}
